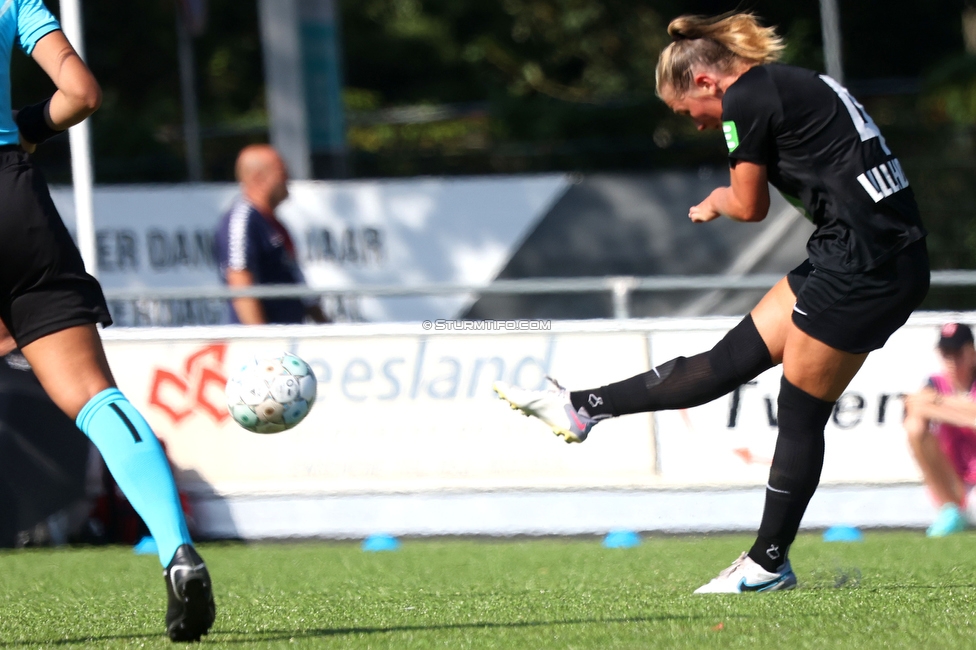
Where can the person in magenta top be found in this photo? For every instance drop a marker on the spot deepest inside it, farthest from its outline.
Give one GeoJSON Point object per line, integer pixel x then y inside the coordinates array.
{"type": "Point", "coordinates": [941, 424]}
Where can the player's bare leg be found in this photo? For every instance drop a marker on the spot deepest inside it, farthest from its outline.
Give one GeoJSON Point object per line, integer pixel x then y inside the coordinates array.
{"type": "Point", "coordinates": [814, 376]}
{"type": "Point", "coordinates": [816, 368]}
{"type": "Point", "coordinates": [772, 318]}
{"type": "Point", "coordinates": [72, 367]}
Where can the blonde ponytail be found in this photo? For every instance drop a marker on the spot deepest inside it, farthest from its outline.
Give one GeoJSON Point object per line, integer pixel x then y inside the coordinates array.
{"type": "Point", "coordinates": [718, 43]}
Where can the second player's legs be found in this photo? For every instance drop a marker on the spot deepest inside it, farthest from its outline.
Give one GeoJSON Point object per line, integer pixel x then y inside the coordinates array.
{"type": "Point", "coordinates": [72, 367]}
{"type": "Point", "coordinates": [751, 347]}
{"type": "Point", "coordinates": [814, 376]}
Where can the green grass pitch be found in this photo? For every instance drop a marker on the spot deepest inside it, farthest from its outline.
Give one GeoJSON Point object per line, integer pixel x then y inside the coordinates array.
{"type": "Point", "coordinates": [894, 590]}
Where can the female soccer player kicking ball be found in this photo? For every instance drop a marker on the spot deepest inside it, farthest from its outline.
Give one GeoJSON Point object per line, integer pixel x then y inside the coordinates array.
{"type": "Point", "coordinates": [867, 265]}
{"type": "Point", "coordinates": [51, 306]}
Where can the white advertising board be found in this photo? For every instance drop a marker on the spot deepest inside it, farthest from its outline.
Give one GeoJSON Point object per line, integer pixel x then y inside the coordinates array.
{"type": "Point", "coordinates": [348, 233]}
{"type": "Point", "coordinates": [730, 441]}
{"type": "Point", "coordinates": [397, 411]}
{"type": "Point", "coordinates": [404, 410]}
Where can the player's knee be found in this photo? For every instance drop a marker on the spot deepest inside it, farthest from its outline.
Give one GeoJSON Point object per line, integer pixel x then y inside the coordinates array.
{"type": "Point", "coordinates": [72, 398]}
{"type": "Point", "coordinates": [741, 354]}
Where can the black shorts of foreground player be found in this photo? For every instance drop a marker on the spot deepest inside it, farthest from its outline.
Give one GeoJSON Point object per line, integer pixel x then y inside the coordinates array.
{"type": "Point", "coordinates": [51, 307]}
{"type": "Point", "coordinates": [867, 266]}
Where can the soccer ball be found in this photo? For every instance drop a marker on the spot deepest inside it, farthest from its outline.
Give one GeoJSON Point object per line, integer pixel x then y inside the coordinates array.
{"type": "Point", "coordinates": [271, 395]}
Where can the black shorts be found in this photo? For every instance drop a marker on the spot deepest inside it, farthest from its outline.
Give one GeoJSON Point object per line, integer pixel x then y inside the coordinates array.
{"type": "Point", "coordinates": [857, 312]}
{"type": "Point", "coordinates": [43, 284]}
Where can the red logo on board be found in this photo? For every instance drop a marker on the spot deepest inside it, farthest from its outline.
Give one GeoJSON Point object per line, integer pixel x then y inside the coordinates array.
{"type": "Point", "coordinates": [200, 387]}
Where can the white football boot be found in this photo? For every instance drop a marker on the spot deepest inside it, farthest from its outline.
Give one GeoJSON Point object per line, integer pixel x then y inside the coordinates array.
{"type": "Point", "coordinates": [552, 407]}
{"type": "Point", "coordinates": [745, 575]}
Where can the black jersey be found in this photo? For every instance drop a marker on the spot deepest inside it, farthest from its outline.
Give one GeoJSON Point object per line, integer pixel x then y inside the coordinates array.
{"type": "Point", "coordinates": [825, 154]}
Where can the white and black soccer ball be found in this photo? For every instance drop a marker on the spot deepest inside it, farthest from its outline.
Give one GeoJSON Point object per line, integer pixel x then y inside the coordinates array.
{"type": "Point", "coordinates": [271, 395]}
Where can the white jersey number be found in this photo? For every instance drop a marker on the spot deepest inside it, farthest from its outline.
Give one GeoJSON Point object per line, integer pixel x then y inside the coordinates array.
{"type": "Point", "coordinates": [865, 126]}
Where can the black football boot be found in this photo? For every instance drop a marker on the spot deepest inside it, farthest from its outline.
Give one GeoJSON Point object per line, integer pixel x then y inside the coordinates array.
{"type": "Point", "coordinates": [191, 609]}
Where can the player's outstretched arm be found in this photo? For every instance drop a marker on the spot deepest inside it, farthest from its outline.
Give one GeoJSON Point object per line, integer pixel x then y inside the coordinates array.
{"type": "Point", "coordinates": [746, 199]}
{"type": "Point", "coordinates": [956, 410]}
{"type": "Point", "coordinates": [78, 94]}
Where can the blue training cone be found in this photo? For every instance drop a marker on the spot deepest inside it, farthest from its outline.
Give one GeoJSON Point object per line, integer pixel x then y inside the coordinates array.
{"type": "Point", "coordinates": [146, 546]}
{"type": "Point", "coordinates": [843, 534]}
{"type": "Point", "coordinates": [375, 543]}
{"type": "Point", "coordinates": [621, 539]}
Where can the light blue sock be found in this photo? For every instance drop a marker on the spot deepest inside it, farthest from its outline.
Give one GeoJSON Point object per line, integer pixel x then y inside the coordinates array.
{"type": "Point", "coordinates": [139, 466]}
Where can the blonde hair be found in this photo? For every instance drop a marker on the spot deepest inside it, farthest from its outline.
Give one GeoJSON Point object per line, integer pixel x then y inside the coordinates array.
{"type": "Point", "coordinates": [718, 43]}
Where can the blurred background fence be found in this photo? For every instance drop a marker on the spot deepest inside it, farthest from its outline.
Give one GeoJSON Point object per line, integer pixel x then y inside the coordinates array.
{"type": "Point", "coordinates": [616, 292]}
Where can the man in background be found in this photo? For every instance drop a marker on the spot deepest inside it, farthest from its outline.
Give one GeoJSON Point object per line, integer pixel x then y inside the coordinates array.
{"type": "Point", "coordinates": [941, 424]}
{"type": "Point", "coordinates": [252, 247]}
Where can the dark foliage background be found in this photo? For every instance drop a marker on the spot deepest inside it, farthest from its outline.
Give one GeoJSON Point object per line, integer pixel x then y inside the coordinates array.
{"type": "Point", "coordinates": [508, 86]}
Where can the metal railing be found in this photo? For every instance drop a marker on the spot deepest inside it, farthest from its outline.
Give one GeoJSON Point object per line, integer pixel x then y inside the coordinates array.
{"type": "Point", "coordinates": [620, 288]}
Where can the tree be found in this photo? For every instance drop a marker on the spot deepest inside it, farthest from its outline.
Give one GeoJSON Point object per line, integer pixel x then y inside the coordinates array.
{"type": "Point", "coordinates": [492, 85]}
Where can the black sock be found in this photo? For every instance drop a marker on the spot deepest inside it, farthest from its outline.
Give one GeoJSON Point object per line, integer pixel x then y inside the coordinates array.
{"type": "Point", "coordinates": [685, 381]}
{"type": "Point", "coordinates": [795, 473]}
